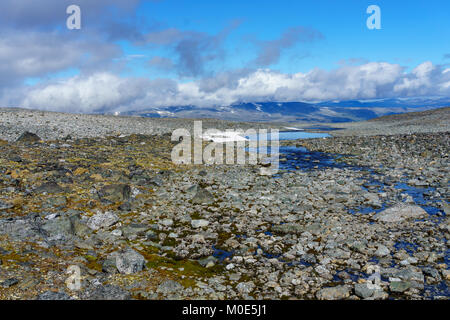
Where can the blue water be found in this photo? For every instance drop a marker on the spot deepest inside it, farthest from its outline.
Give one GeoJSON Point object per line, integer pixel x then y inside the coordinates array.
{"type": "Point", "coordinates": [299, 158]}
{"type": "Point", "coordinates": [290, 135]}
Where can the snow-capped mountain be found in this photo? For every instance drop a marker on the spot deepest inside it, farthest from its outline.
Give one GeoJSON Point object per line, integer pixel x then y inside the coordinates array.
{"type": "Point", "coordinates": [328, 111]}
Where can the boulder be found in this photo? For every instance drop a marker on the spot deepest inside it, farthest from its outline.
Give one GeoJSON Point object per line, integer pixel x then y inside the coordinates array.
{"type": "Point", "coordinates": [129, 261]}
{"type": "Point", "coordinates": [203, 196]}
{"type": "Point", "coordinates": [400, 212]}
{"type": "Point", "coordinates": [102, 220]}
{"type": "Point", "coordinates": [333, 293]}
{"type": "Point", "coordinates": [115, 193]}
{"type": "Point", "coordinates": [28, 137]}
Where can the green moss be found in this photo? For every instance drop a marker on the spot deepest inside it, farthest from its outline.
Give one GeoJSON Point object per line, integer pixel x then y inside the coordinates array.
{"type": "Point", "coordinates": [196, 216]}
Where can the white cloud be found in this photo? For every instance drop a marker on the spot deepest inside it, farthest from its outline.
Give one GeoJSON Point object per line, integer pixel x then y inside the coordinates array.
{"type": "Point", "coordinates": [106, 91]}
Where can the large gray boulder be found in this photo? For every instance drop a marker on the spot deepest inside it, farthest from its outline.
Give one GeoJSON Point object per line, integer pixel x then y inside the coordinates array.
{"type": "Point", "coordinates": [59, 227]}
{"type": "Point", "coordinates": [400, 212]}
{"type": "Point", "coordinates": [102, 220]}
{"type": "Point", "coordinates": [129, 261]}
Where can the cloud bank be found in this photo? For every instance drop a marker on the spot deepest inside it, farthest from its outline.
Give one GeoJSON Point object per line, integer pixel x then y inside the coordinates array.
{"type": "Point", "coordinates": [105, 91]}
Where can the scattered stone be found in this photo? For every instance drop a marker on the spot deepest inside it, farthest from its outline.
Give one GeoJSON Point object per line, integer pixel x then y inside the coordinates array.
{"type": "Point", "coordinates": [107, 292]}
{"type": "Point", "coordinates": [5, 206]}
{"type": "Point", "coordinates": [245, 287]}
{"type": "Point", "coordinates": [51, 295]}
{"type": "Point", "coordinates": [169, 286]}
{"type": "Point", "coordinates": [289, 228]}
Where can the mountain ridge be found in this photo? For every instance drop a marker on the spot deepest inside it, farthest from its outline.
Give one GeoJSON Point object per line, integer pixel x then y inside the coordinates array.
{"type": "Point", "coordinates": [292, 111]}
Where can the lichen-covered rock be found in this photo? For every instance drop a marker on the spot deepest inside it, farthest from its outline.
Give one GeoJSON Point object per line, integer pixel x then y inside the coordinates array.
{"type": "Point", "coordinates": [129, 261]}
{"type": "Point", "coordinates": [102, 220]}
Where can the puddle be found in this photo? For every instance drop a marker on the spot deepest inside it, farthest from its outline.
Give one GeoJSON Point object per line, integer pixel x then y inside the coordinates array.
{"type": "Point", "coordinates": [222, 254]}
{"type": "Point", "coordinates": [291, 135]}
{"type": "Point", "coordinates": [409, 247]}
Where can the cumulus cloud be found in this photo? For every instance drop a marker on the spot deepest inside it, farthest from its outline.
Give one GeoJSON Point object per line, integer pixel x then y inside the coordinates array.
{"type": "Point", "coordinates": [37, 54]}
{"type": "Point", "coordinates": [108, 92]}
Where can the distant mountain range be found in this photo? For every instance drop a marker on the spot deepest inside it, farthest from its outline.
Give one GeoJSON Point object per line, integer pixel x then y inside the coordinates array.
{"type": "Point", "coordinates": [329, 111]}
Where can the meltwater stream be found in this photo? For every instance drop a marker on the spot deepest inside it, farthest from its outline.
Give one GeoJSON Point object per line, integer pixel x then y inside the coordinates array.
{"type": "Point", "coordinates": [299, 158]}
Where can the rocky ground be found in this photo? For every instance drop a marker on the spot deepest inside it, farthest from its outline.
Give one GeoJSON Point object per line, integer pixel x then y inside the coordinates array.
{"type": "Point", "coordinates": [355, 217]}
{"type": "Point", "coordinates": [58, 125]}
{"type": "Point", "coordinates": [435, 121]}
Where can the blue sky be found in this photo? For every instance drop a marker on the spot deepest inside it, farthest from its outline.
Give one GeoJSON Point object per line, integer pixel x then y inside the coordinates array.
{"type": "Point", "coordinates": [212, 53]}
{"type": "Point", "coordinates": [412, 31]}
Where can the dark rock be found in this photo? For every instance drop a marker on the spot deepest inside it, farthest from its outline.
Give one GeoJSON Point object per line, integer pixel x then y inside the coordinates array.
{"type": "Point", "coordinates": [115, 193]}
{"type": "Point", "coordinates": [126, 206]}
{"type": "Point", "coordinates": [49, 187]}
{"type": "Point", "coordinates": [9, 283]}
{"type": "Point", "coordinates": [28, 137]}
